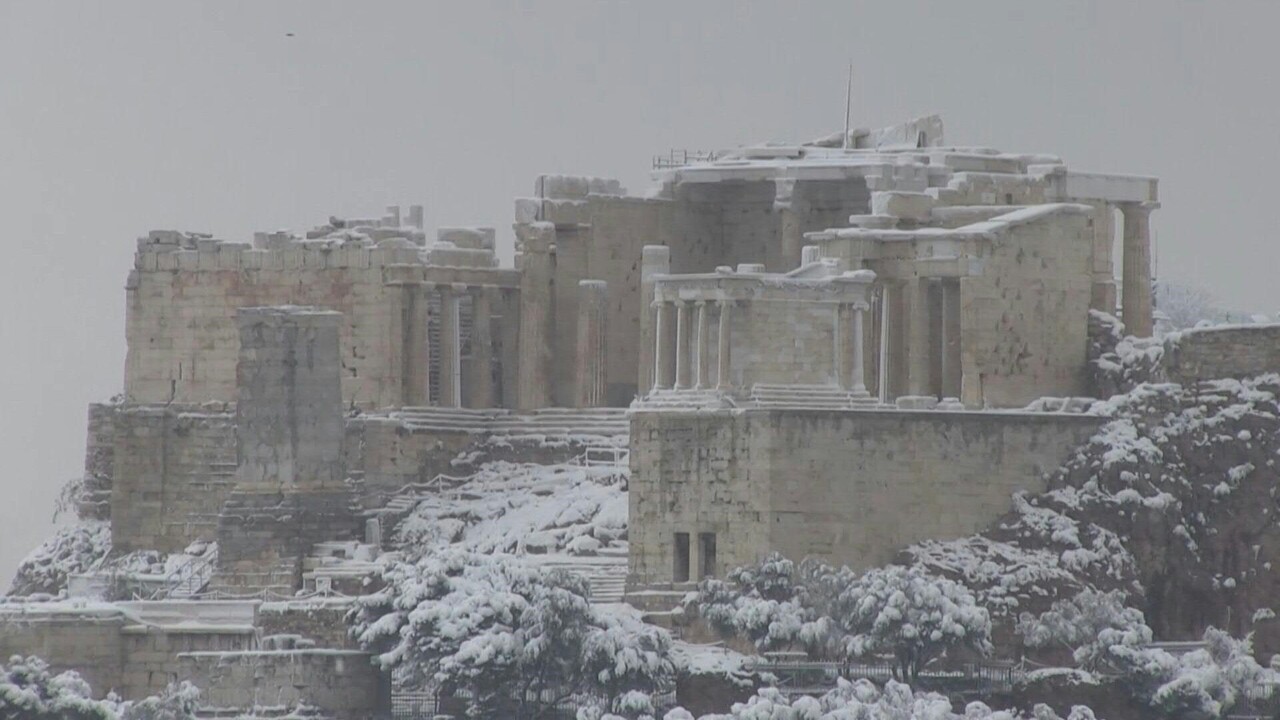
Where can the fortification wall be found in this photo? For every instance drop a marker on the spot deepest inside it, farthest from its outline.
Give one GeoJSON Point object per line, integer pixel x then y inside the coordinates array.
{"type": "Point", "coordinates": [89, 642]}
{"type": "Point", "coordinates": [1235, 351]}
{"type": "Point", "coordinates": [847, 487]}
{"type": "Point", "coordinates": [342, 684]}
{"type": "Point", "coordinates": [171, 469]}
{"type": "Point", "coordinates": [151, 654]}
{"type": "Point", "coordinates": [180, 320]}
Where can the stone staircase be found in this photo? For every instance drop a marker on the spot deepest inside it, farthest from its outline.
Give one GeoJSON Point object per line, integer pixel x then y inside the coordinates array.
{"type": "Point", "coordinates": [684, 400]}
{"type": "Point", "coordinates": [605, 573]}
{"type": "Point", "coordinates": [816, 397]}
{"type": "Point", "coordinates": [547, 422]}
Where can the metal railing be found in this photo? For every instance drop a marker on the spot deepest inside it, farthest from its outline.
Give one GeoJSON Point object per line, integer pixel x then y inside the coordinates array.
{"type": "Point", "coordinates": [680, 158]}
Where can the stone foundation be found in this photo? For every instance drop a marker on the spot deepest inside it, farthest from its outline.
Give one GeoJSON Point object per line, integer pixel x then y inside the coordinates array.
{"type": "Point", "coordinates": [848, 487]}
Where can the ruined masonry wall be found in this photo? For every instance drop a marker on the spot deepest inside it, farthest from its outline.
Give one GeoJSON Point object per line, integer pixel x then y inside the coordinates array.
{"type": "Point", "coordinates": [342, 684]}
{"type": "Point", "coordinates": [171, 469]}
{"type": "Point", "coordinates": [181, 307]}
{"type": "Point", "coordinates": [848, 487]}
{"type": "Point", "coordinates": [1223, 352]}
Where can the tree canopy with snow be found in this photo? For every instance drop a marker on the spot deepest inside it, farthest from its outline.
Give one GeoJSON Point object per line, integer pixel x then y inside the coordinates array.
{"type": "Point", "coordinates": [898, 611]}
{"type": "Point", "coordinates": [29, 690]}
{"type": "Point", "coordinates": [516, 639]}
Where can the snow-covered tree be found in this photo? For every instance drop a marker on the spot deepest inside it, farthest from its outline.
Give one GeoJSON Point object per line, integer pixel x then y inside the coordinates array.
{"type": "Point", "coordinates": [767, 603]}
{"type": "Point", "coordinates": [911, 614]}
{"type": "Point", "coordinates": [1186, 304]}
{"type": "Point", "coordinates": [29, 690]}
{"type": "Point", "coordinates": [72, 549]}
{"type": "Point", "coordinates": [863, 700]}
{"type": "Point", "coordinates": [906, 612]}
{"type": "Point", "coordinates": [1091, 624]}
{"type": "Point", "coordinates": [518, 639]}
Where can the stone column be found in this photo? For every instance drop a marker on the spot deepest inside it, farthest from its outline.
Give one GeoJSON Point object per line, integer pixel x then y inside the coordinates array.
{"type": "Point", "coordinates": [858, 382]}
{"type": "Point", "coordinates": [654, 260]}
{"type": "Point", "coordinates": [536, 245]}
{"type": "Point", "coordinates": [840, 346]}
{"type": "Point", "coordinates": [790, 230]}
{"type": "Point", "coordinates": [450, 348]}
{"type": "Point", "coordinates": [682, 345]}
{"type": "Point", "coordinates": [416, 372]}
{"type": "Point", "coordinates": [592, 308]}
{"type": "Point", "coordinates": [480, 386]}
{"type": "Point", "coordinates": [1135, 290]}
{"type": "Point", "coordinates": [952, 375]}
{"type": "Point", "coordinates": [723, 370]}
{"type": "Point", "coordinates": [661, 351]}
{"type": "Point", "coordinates": [702, 374]}
{"type": "Point", "coordinates": [918, 355]}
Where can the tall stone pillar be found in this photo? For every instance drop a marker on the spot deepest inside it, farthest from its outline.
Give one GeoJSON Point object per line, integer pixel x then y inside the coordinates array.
{"type": "Point", "coordinates": [1135, 297]}
{"type": "Point", "coordinates": [840, 353]}
{"type": "Point", "coordinates": [480, 380]}
{"type": "Point", "coordinates": [682, 345]}
{"type": "Point", "coordinates": [790, 229]}
{"type": "Point", "coordinates": [593, 306]}
{"type": "Point", "coordinates": [952, 374]}
{"type": "Point", "coordinates": [289, 491]}
{"type": "Point", "coordinates": [416, 370]}
{"type": "Point", "coordinates": [661, 345]}
{"type": "Point", "coordinates": [724, 347]}
{"type": "Point", "coordinates": [919, 346]}
{"type": "Point", "coordinates": [536, 244]}
{"type": "Point", "coordinates": [702, 369]}
{"type": "Point", "coordinates": [654, 260]}
{"type": "Point", "coordinates": [858, 381]}
{"type": "Point", "coordinates": [450, 348]}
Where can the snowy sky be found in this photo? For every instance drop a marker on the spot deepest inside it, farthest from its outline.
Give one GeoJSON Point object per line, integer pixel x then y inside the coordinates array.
{"type": "Point", "coordinates": [122, 117]}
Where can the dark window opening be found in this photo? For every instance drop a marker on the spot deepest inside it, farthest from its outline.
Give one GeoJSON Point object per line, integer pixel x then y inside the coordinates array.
{"type": "Point", "coordinates": [1008, 198]}
{"type": "Point", "coordinates": [707, 554]}
{"type": "Point", "coordinates": [680, 572]}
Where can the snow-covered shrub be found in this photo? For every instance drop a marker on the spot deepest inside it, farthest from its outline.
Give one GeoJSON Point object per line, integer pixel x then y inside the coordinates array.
{"type": "Point", "coordinates": [1120, 362]}
{"type": "Point", "coordinates": [515, 637]}
{"type": "Point", "coordinates": [72, 549]}
{"type": "Point", "coordinates": [30, 691]}
{"type": "Point", "coordinates": [895, 610]}
{"type": "Point", "coordinates": [863, 700]}
{"type": "Point", "coordinates": [911, 614]}
{"type": "Point", "coordinates": [1091, 624]}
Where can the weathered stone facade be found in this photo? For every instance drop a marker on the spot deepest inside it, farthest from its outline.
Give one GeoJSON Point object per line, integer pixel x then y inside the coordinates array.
{"type": "Point", "coordinates": [342, 684]}
{"type": "Point", "coordinates": [849, 487]}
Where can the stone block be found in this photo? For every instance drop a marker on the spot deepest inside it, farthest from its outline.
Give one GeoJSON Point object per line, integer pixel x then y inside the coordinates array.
{"type": "Point", "coordinates": [906, 205]}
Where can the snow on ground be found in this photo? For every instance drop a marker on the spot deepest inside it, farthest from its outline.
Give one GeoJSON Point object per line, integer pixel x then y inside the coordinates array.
{"type": "Point", "coordinates": [523, 508]}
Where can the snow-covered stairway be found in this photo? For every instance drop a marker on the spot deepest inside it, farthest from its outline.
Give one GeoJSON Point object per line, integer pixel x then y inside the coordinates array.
{"type": "Point", "coordinates": [548, 422]}
{"type": "Point", "coordinates": [605, 573]}
{"type": "Point", "coordinates": [818, 397]}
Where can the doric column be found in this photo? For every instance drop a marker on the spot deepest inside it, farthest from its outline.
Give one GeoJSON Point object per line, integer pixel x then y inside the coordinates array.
{"type": "Point", "coordinates": [702, 375]}
{"type": "Point", "coordinates": [592, 306]}
{"type": "Point", "coordinates": [654, 260]}
{"type": "Point", "coordinates": [535, 243]}
{"type": "Point", "coordinates": [952, 374]}
{"type": "Point", "coordinates": [480, 380]}
{"type": "Point", "coordinates": [918, 346]}
{"type": "Point", "coordinates": [1135, 298]}
{"type": "Point", "coordinates": [858, 383]}
{"type": "Point", "coordinates": [682, 345]}
{"type": "Point", "coordinates": [450, 348]}
{"type": "Point", "coordinates": [416, 370]}
{"type": "Point", "coordinates": [723, 346]}
{"type": "Point", "coordinates": [661, 374]}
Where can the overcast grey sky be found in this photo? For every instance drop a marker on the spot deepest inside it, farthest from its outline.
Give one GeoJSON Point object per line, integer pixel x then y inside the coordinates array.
{"type": "Point", "coordinates": [120, 117]}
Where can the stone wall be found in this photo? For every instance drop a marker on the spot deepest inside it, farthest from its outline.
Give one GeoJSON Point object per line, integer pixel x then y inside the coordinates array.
{"type": "Point", "coordinates": [151, 654]}
{"type": "Point", "coordinates": [1222, 352]}
{"type": "Point", "coordinates": [87, 641]}
{"type": "Point", "coordinates": [181, 315]}
{"type": "Point", "coordinates": [342, 684]}
{"type": "Point", "coordinates": [99, 461]}
{"type": "Point", "coordinates": [850, 487]}
{"type": "Point", "coordinates": [1024, 319]}
{"type": "Point", "coordinates": [321, 621]}
{"type": "Point", "coordinates": [171, 467]}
